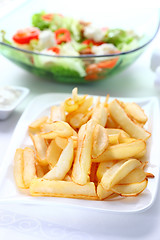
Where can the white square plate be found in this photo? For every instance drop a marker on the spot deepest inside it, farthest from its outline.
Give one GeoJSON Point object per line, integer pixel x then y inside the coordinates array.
{"type": "Point", "coordinates": [41, 106]}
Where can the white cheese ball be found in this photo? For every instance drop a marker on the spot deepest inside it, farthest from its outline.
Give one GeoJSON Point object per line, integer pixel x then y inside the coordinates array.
{"type": "Point", "coordinates": [46, 39]}
{"type": "Point", "coordinates": [95, 33]}
{"type": "Point", "coordinates": [105, 48]}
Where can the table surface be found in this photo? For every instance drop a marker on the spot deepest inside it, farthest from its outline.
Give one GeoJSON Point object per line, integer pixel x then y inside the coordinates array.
{"type": "Point", "coordinates": [60, 222]}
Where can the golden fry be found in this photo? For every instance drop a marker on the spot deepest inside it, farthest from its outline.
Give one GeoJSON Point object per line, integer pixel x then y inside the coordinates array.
{"type": "Point", "coordinates": [18, 168]}
{"type": "Point", "coordinates": [136, 112]}
{"type": "Point", "coordinates": [117, 172]}
{"type": "Point", "coordinates": [100, 115]}
{"type": "Point", "coordinates": [100, 141]}
{"type": "Point", "coordinates": [67, 189]}
{"type": "Point", "coordinates": [53, 153]}
{"type": "Point", "coordinates": [40, 148]}
{"type": "Point", "coordinates": [63, 165]}
{"type": "Point", "coordinates": [119, 115]}
{"type": "Point", "coordinates": [24, 167]}
{"type": "Point", "coordinates": [103, 193]}
{"type": "Point", "coordinates": [29, 166]}
{"type": "Point", "coordinates": [58, 128]}
{"type": "Point", "coordinates": [82, 162]}
{"type": "Point", "coordinates": [130, 190]}
{"type": "Point", "coordinates": [58, 113]}
{"type": "Point", "coordinates": [121, 151]}
{"type": "Point", "coordinates": [35, 126]}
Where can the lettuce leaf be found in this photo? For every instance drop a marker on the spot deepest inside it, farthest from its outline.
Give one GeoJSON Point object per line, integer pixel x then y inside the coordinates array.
{"type": "Point", "coordinates": [39, 22]}
{"type": "Point", "coordinates": [61, 66]}
{"type": "Point", "coordinates": [121, 39]}
{"type": "Point", "coordinates": [3, 37]}
{"type": "Point", "coordinates": [78, 46]}
{"type": "Point", "coordinates": [57, 22]}
{"type": "Point", "coordinates": [66, 22]}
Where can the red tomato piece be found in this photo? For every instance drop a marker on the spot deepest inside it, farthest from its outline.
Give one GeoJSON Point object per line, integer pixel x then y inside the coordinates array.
{"type": "Point", "coordinates": [92, 42]}
{"type": "Point", "coordinates": [92, 77]}
{"type": "Point", "coordinates": [62, 35]}
{"type": "Point", "coordinates": [92, 68]}
{"type": "Point", "coordinates": [48, 17]}
{"type": "Point", "coordinates": [87, 51]}
{"type": "Point", "coordinates": [54, 49]}
{"type": "Point", "coordinates": [108, 63]}
{"type": "Point", "coordinates": [24, 36]}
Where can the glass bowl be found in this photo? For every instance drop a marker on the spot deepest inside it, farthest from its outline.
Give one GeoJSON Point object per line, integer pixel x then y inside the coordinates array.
{"type": "Point", "coordinates": [79, 69]}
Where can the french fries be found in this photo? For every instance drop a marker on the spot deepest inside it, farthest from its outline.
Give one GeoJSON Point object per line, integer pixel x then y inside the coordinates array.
{"type": "Point", "coordinates": [24, 167]}
{"type": "Point", "coordinates": [29, 168]}
{"type": "Point", "coordinates": [63, 164]}
{"type": "Point", "coordinates": [53, 153]}
{"type": "Point", "coordinates": [58, 128]}
{"type": "Point", "coordinates": [100, 141]}
{"type": "Point", "coordinates": [57, 113]}
{"type": "Point", "coordinates": [82, 162]}
{"type": "Point", "coordinates": [100, 114]}
{"type": "Point", "coordinates": [136, 112]}
{"type": "Point", "coordinates": [121, 151]}
{"type": "Point", "coordinates": [40, 146]}
{"type": "Point", "coordinates": [117, 172]}
{"type": "Point", "coordinates": [18, 168]}
{"type": "Point", "coordinates": [53, 188]}
{"type": "Point", "coordinates": [132, 189]}
{"type": "Point", "coordinates": [35, 126]}
{"type": "Point", "coordinates": [103, 193]}
{"type": "Point", "coordinates": [85, 150]}
{"type": "Point", "coordinates": [120, 116]}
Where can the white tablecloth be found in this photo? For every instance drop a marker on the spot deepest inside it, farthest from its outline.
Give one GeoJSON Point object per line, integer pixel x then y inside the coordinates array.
{"type": "Point", "coordinates": [60, 222]}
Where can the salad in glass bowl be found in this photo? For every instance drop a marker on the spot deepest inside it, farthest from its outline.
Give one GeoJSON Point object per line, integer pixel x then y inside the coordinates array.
{"type": "Point", "coordinates": [70, 50]}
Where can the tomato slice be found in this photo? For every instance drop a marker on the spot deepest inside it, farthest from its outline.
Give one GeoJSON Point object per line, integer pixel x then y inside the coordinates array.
{"type": "Point", "coordinates": [108, 63]}
{"type": "Point", "coordinates": [92, 77]}
{"type": "Point", "coordinates": [85, 51]}
{"type": "Point", "coordinates": [62, 35]}
{"type": "Point", "coordinates": [24, 36]}
{"type": "Point", "coordinates": [54, 49]}
{"type": "Point", "coordinates": [93, 68]}
{"type": "Point", "coordinates": [92, 42]}
{"type": "Point", "coordinates": [48, 17]}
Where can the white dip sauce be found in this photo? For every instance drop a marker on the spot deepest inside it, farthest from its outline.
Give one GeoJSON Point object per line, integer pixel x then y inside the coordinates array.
{"type": "Point", "coordinates": [8, 96]}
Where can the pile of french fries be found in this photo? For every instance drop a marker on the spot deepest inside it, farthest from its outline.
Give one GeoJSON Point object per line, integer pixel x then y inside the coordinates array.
{"type": "Point", "coordinates": [85, 149]}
